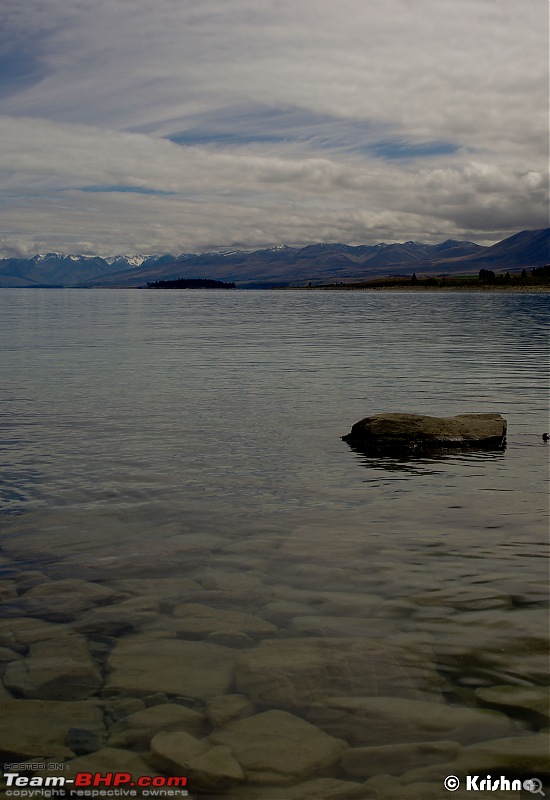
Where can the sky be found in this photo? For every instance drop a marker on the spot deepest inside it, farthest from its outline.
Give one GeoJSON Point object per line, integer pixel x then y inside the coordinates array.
{"type": "Point", "coordinates": [152, 126]}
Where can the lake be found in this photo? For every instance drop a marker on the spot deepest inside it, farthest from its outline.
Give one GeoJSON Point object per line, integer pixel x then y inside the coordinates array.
{"type": "Point", "coordinates": [190, 550]}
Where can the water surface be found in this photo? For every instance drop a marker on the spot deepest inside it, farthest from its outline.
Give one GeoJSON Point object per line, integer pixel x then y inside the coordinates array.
{"type": "Point", "coordinates": [151, 437]}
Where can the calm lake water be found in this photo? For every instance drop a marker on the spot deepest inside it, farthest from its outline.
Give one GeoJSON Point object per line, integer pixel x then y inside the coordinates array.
{"type": "Point", "coordinates": [182, 449]}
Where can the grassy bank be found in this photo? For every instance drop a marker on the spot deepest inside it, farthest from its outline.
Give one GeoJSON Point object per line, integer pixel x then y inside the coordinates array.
{"type": "Point", "coordinates": [538, 280]}
{"type": "Point", "coordinates": [473, 287]}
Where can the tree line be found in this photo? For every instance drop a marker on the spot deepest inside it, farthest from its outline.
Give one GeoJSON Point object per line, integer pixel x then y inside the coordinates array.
{"type": "Point", "coordinates": [536, 275]}
{"type": "Point", "coordinates": [190, 283]}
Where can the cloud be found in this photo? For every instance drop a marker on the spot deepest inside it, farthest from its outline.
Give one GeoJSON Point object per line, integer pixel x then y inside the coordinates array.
{"type": "Point", "coordinates": [294, 121]}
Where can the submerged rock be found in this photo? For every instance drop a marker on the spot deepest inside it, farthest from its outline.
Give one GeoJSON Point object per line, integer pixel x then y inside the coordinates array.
{"type": "Point", "coordinates": [8, 590]}
{"type": "Point", "coordinates": [4, 694]}
{"type": "Point", "coordinates": [222, 709]}
{"type": "Point", "coordinates": [376, 721]}
{"type": "Point", "coordinates": [513, 755]}
{"type": "Point", "coordinates": [55, 669]}
{"type": "Point", "coordinates": [294, 673]}
{"type": "Point", "coordinates": [208, 767]}
{"type": "Point", "coordinates": [18, 633]}
{"type": "Point", "coordinates": [141, 664]}
{"type": "Point", "coordinates": [108, 760]}
{"type": "Point", "coordinates": [277, 747]}
{"type": "Point", "coordinates": [137, 729]}
{"type": "Point", "coordinates": [195, 621]}
{"type": "Point", "coordinates": [533, 701]}
{"type": "Point", "coordinates": [117, 618]}
{"type": "Point", "coordinates": [40, 728]}
{"type": "Point", "coordinates": [63, 600]}
{"type": "Point", "coordinates": [465, 598]}
{"type": "Point", "coordinates": [7, 655]}
{"type": "Point", "coordinates": [83, 741]}
{"type": "Point", "coordinates": [395, 759]}
{"type": "Point", "coordinates": [413, 432]}
{"type": "Point", "coordinates": [320, 789]}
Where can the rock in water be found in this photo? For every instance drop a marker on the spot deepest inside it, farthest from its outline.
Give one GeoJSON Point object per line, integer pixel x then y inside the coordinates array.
{"type": "Point", "coordinates": [413, 432]}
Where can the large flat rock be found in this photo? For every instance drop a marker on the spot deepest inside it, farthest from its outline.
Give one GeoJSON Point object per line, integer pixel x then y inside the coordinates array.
{"type": "Point", "coordinates": [277, 747]}
{"type": "Point", "coordinates": [60, 668]}
{"type": "Point", "coordinates": [395, 759]}
{"type": "Point", "coordinates": [142, 665]}
{"type": "Point", "coordinates": [530, 701]}
{"type": "Point", "coordinates": [414, 432]}
{"type": "Point", "coordinates": [374, 721]}
{"type": "Point", "coordinates": [294, 673]}
{"type": "Point", "coordinates": [195, 621]}
{"type": "Point", "coordinates": [19, 633]}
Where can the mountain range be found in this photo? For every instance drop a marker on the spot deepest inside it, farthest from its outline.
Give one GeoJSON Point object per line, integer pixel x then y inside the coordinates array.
{"type": "Point", "coordinates": [280, 265]}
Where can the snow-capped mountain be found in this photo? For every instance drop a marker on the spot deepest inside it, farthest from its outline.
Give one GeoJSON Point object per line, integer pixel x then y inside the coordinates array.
{"type": "Point", "coordinates": [123, 262]}
{"type": "Point", "coordinates": [279, 264]}
{"type": "Point", "coordinates": [52, 269]}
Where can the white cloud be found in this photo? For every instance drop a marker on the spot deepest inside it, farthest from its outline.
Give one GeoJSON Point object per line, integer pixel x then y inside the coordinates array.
{"type": "Point", "coordinates": [118, 75]}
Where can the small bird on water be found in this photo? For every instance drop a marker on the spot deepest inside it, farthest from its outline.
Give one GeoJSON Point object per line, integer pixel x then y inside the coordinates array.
{"type": "Point", "coordinates": [545, 437]}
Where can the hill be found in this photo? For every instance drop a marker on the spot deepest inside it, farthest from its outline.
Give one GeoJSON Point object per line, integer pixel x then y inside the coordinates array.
{"type": "Point", "coordinates": [281, 265]}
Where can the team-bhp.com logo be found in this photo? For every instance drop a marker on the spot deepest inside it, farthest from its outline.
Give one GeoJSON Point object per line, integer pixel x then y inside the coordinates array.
{"type": "Point", "coordinates": [95, 784]}
{"type": "Point", "coordinates": [475, 783]}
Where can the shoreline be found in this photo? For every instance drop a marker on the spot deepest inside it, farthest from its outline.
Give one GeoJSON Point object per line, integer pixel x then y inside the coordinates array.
{"type": "Point", "coordinates": [421, 289]}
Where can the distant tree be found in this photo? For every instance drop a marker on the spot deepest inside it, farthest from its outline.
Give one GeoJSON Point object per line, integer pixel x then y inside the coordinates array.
{"type": "Point", "coordinates": [487, 276]}
{"type": "Point", "coordinates": [523, 275]}
{"type": "Point", "coordinates": [507, 276]}
{"type": "Point", "coordinates": [414, 279]}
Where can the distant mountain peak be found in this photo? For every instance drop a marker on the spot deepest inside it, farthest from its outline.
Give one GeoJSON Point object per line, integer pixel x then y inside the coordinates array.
{"type": "Point", "coordinates": [280, 264]}
{"type": "Point", "coordinates": [47, 256]}
{"type": "Point", "coordinates": [130, 260]}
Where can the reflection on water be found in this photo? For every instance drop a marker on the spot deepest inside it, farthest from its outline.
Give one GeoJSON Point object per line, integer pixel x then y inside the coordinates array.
{"type": "Point", "coordinates": [417, 464]}
{"type": "Point", "coordinates": [224, 588]}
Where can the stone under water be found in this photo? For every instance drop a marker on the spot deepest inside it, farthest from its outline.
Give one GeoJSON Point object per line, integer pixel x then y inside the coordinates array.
{"type": "Point", "coordinates": [413, 432]}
